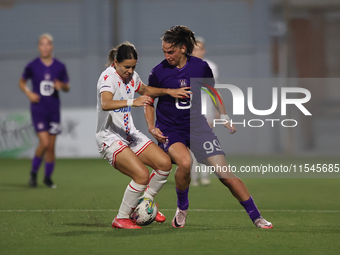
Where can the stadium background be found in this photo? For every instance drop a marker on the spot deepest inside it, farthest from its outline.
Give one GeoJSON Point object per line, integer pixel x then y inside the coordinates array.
{"type": "Point", "coordinates": [251, 39]}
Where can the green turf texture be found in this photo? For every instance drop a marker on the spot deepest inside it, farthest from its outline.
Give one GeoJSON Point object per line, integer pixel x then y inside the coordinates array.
{"type": "Point", "coordinates": [76, 217]}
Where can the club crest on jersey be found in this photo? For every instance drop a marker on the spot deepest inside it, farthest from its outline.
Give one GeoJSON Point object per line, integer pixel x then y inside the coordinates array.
{"type": "Point", "coordinates": [183, 83]}
{"type": "Point", "coordinates": [120, 143]}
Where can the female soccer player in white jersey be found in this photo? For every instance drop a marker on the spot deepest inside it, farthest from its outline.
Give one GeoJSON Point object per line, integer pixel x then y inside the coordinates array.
{"type": "Point", "coordinates": [180, 124]}
{"type": "Point", "coordinates": [118, 140]}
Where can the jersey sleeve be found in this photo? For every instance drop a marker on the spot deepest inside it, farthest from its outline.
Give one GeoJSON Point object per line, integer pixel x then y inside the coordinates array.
{"type": "Point", "coordinates": [107, 83]}
{"type": "Point", "coordinates": [153, 80]}
{"type": "Point", "coordinates": [209, 75]}
{"type": "Point", "coordinates": [27, 74]}
{"type": "Point", "coordinates": [63, 75]}
{"type": "Point", "coordinates": [138, 82]}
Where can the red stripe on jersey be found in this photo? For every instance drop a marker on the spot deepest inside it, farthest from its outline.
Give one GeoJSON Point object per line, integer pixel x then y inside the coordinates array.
{"type": "Point", "coordinates": [140, 83]}
{"type": "Point", "coordinates": [143, 148]}
{"type": "Point", "coordinates": [120, 77]}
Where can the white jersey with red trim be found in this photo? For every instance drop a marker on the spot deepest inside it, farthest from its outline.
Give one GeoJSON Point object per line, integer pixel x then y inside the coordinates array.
{"type": "Point", "coordinates": [116, 124]}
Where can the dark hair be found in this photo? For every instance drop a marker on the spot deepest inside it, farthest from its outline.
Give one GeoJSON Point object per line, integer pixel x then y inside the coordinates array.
{"type": "Point", "coordinates": [179, 36]}
{"type": "Point", "coordinates": [123, 51]}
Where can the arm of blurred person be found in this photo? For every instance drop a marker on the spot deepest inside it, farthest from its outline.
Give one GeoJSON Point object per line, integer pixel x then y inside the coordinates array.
{"type": "Point", "coordinates": [59, 85]}
{"type": "Point", "coordinates": [220, 107]}
{"type": "Point", "coordinates": [33, 97]}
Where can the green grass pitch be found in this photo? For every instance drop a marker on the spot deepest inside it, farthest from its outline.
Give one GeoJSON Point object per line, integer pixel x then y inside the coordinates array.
{"type": "Point", "coordinates": [76, 217]}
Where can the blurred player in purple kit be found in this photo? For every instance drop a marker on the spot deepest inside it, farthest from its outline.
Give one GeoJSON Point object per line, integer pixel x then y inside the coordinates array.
{"type": "Point", "coordinates": [119, 142]}
{"type": "Point", "coordinates": [180, 124]}
{"type": "Point", "coordinates": [48, 76]}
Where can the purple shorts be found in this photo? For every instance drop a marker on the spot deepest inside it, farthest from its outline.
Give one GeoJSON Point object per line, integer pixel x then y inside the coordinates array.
{"type": "Point", "coordinates": [201, 140]}
{"type": "Point", "coordinates": [46, 121]}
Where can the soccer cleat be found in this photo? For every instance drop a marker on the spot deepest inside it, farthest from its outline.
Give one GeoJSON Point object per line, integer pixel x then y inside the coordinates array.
{"type": "Point", "coordinates": [179, 220]}
{"type": "Point", "coordinates": [160, 217]}
{"type": "Point", "coordinates": [125, 224]}
{"type": "Point", "coordinates": [194, 183]}
{"type": "Point", "coordinates": [33, 180]}
{"type": "Point", "coordinates": [205, 181]}
{"type": "Point", "coordinates": [262, 223]}
{"type": "Point", "coordinates": [48, 182]}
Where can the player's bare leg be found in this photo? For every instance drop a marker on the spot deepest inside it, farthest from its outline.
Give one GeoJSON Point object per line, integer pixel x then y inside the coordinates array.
{"type": "Point", "coordinates": [129, 164]}
{"type": "Point", "coordinates": [238, 189]}
{"type": "Point", "coordinates": [179, 153]}
{"type": "Point", "coordinates": [50, 161]}
{"type": "Point", "coordinates": [156, 158]}
{"type": "Point", "coordinates": [38, 157]}
{"type": "Point", "coordinates": [235, 184]}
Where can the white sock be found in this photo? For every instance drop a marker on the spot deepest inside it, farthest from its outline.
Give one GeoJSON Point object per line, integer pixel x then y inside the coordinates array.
{"type": "Point", "coordinates": [206, 173]}
{"type": "Point", "coordinates": [193, 173]}
{"type": "Point", "coordinates": [132, 195]}
{"type": "Point", "coordinates": [156, 182]}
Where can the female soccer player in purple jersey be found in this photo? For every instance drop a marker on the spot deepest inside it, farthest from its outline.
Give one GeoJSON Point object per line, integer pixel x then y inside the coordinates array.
{"type": "Point", "coordinates": [118, 140]}
{"type": "Point", "coordinates": [180, 124]}
{"type": "Point", "coordinates": [48, 76]}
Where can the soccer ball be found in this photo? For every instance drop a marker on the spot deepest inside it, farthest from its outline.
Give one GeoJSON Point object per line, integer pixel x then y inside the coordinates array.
{"type": "Point", "coordinates": [145, 212]}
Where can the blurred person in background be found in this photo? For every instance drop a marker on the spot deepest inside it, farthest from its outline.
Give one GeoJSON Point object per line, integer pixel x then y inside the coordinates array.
{"type": "Point", "coordinates": [48, 76]}
{"type": "Point", "coordinates": [210, 112]}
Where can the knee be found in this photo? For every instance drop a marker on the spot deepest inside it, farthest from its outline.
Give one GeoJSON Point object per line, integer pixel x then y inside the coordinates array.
{"type": "Point", "coordinates": [50, 148]}
{"type": "Point", "coordinates": [44, 145]}
{"type": "Point", "coordinates": [230, 182]}
{"type": "Point", "coordinates": [142, 177]}
{"type": "Point", "coordinates": [184, 163]}
{"type": "Point", "coordinates": [164, 164]}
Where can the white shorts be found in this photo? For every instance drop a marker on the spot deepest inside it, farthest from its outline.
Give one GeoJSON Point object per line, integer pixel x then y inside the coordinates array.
{"type": "Point", "coordinates": [138, 146]}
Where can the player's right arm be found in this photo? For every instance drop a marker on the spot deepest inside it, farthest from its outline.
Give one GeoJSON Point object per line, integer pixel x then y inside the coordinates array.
{"type": "Point", "coordinates": [33, 97]}
{"type": "Point", "coordinates": [109, 104]}
{"type": "Point", "coordinates": [149, 114]}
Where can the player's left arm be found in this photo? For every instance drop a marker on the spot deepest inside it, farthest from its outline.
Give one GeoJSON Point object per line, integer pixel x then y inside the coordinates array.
{"type": "Point", "coordinates": [62, 82]}
{"type": "Point", "coordinates": [155, 92]}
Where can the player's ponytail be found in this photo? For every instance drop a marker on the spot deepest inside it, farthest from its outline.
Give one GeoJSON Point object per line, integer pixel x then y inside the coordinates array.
{"type": "Point", "coordinates": [179, 36]}
{"type": "Point", "coordinates": [123, 51]}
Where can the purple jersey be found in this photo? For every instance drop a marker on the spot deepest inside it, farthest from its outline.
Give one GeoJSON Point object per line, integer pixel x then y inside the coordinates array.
{"type": "Point", "coordinates": [42, 78]}
{"type": "Point", "coordinates": [174, 112]}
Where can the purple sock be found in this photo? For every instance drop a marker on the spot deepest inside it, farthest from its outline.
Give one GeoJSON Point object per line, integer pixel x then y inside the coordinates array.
{"type": "Point", "coordinates": [251, 209]}
{"type": "Point", "coordinates": [49, 167]}
{"type": "Point", "coordinates": [36, 162]}
{"type": "Point", "coordinates": [182, 199]}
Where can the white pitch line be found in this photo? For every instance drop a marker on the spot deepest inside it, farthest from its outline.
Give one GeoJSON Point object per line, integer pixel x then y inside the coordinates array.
{"type": "Point", "coordinates": [191, 210]}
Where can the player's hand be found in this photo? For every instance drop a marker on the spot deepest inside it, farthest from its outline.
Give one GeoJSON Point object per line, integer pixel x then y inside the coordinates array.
{"type": "Point", "coordinates": [231, 128]}
{"type": "Point", "coordinates": [58, 85]}
{"type": "Point", "coordinates": [180, 93]}
{"type": "Point", "coordinates": [33, 97]}
{"type": "Point", "coordinates": [157, 134]}
{"type": "Point", "coordinates": [142, 101]}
